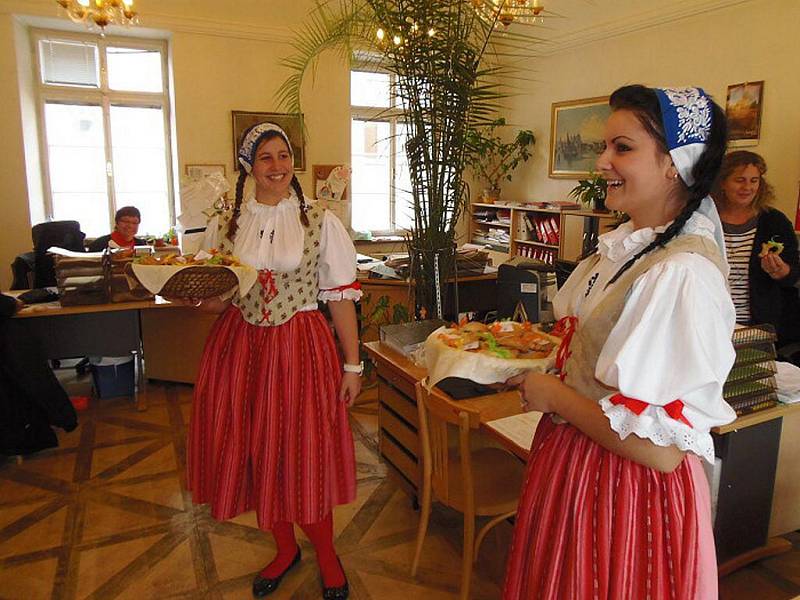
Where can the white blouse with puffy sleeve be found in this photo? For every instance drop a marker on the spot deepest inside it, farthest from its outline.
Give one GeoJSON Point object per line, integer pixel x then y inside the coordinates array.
{"type": "Point", "coordinates": [272, 237]}
{"type": "Point", "coordinates": [672, 342]}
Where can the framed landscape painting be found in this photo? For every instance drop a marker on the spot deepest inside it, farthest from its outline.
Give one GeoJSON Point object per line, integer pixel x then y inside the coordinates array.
{"type": "Point", "coordinates": [743, 109]}
{"type": "Point", "coordinates": [292, 124]}
{"type": "Point", "coordinates": [576, 136]}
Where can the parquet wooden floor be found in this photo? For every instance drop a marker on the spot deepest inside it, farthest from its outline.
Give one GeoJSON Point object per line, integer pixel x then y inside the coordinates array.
{"type": "Point", "coordinates": [106, 515]}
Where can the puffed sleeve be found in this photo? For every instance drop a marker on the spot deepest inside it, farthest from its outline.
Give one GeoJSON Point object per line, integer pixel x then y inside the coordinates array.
{"type": "Point", "coordinates": [337, 262]}
{"type": "Point", "coordinates": [669, 355]}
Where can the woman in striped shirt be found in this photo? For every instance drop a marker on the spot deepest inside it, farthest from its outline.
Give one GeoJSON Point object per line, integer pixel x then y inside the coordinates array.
{"type": "Point", "coordinates": [762, 274]}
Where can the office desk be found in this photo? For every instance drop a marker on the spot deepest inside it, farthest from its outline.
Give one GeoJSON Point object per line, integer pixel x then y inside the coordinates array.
{"type": "Point", "coordinates": [758, 497]}
{"type": "Point", "coordinates": [760, 453]}
{"type": "Point", "coordinates": [397, 412]}
{"type": "Point", "coordinates": [112, 329]}
{"type": "Point", "coordinates": [476, 293]}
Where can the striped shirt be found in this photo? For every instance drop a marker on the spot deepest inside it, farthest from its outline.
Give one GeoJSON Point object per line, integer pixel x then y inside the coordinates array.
{"type": "Point", "coordinates": [739, 247]}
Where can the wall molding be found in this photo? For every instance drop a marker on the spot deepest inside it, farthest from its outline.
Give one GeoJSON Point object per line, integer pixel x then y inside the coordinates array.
{"type": "Point", "coordinates": [663, 14]}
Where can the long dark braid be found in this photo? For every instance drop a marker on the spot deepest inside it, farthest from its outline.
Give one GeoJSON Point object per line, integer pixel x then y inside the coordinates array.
{"type": "Point", "coordinates": [644, 103]}
{"type": "Point", "coordinates": [301, 197]}
{"type": "Point", "coordinates": [233, 224]}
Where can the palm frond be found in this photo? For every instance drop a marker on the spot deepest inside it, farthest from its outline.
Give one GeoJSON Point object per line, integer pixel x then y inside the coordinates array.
{"type": "Point", "coordinates": [450, 66]}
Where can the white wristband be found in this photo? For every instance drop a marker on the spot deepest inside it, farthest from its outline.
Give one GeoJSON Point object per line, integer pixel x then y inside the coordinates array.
{"type": "Point", "coordinates": [357, 369]}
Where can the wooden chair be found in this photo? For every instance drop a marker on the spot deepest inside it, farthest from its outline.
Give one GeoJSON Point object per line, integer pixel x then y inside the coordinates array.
{"type": "Point", "coordinates": [483, 482]}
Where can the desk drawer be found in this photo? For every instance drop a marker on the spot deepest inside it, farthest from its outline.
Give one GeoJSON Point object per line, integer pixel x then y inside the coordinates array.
{"type": "Point", "coordinates": [401, 431]}
{"type": "Point", "coordinates": [399, 458]}
{"type": "Point", "coordinates": [397, 379]}
{"type": "Point", "coordinates": [401, 404]}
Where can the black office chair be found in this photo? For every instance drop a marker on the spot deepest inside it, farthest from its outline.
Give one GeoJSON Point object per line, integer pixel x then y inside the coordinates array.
{"type": "Point", "coordinates": [64, 234]}
{"type": "Point", "coordinates": [22, 271]}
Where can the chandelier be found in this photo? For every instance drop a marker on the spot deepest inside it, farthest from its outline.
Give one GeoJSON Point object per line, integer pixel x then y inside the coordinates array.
{"type": "Point", "coordinates": [526, 12]}
{"type": "Point", "coordinates": [100, 12]}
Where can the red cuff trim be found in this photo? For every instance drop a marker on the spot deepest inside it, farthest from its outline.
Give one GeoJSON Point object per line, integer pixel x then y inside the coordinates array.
{"type": "Point", "coordinates": [356, 285]}
{"type": "Point", "coordinates": [674, 409]}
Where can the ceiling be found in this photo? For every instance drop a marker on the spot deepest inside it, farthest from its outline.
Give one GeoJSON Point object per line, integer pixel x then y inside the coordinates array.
{"type": "Point", "coordinates": [567, 23]}
{"type": "Point", "coordinates": [571, 23]}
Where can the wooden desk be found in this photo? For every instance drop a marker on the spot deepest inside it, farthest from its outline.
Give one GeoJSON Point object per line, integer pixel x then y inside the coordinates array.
{"type": "Point", "coordinates": [167, 343]}
{"type": "Point", "coordinates": [747, 507]}
{"type": "Point", "coordinates": [475, 293]}
{"type": "Point", "coordinates": [754, 457]}
{"type": "Point", "coordinates": [397, 412]}
{"type": "Point", "coordinates": [111, 329]}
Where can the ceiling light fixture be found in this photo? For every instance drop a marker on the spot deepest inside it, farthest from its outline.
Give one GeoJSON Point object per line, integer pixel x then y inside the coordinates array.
{"type": "Point", "coordinates": [100, 12]}
{"type": "Point", "coordinates": [526, 12]}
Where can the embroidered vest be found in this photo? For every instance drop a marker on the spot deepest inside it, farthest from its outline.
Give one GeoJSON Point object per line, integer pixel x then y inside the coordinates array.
{"type": "Point", "coordinates": [593, 329]}
{"type": "Point", "coordinates": [277, 296]}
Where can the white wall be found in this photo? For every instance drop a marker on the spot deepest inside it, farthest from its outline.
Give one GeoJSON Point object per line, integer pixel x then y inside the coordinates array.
{"type": "Point", "coordinates": [750, 42]}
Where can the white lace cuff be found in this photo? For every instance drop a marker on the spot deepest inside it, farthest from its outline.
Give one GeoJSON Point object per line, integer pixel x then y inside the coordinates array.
{"type": "Point", "coordinates": [337, 295]}
{"type": "Point", "coordinates": [654, 424]}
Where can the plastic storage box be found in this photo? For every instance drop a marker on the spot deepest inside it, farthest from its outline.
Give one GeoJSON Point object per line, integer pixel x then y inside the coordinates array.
{"type": "Point", "coordinates": [113, 380]}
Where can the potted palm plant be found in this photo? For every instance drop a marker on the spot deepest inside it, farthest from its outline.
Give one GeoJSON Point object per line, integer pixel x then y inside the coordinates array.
{"type": "Point", "coordinates": [492, 160]}
{"type": "Point", "coordinates": [446, 84]}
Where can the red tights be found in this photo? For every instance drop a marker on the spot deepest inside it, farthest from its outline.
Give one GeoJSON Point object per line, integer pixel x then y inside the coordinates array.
{"type": "Point", "coordinates": [321, 536]}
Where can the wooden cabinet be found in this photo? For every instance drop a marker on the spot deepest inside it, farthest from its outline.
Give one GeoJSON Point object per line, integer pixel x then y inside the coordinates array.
{"type": "Point", "coordinates": [173, 342]}
{"type": "Point", "coordinates": [537, 233]}
{"type": "Point", "coordinates": [398, 441]}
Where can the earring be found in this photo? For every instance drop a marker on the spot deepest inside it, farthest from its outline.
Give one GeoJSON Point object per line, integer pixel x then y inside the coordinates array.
{"type": "Point", "coordinates": [675, 175]}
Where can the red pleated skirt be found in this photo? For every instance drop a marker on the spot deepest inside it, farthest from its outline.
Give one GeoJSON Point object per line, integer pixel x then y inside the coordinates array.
{"type": "Point", "coordinates": [594, 525]}
{"type": "Point", "coordinates": [268, 431]}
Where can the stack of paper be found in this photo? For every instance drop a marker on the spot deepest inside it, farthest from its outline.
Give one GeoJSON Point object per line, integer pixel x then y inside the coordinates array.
{"type": "Point", "coordinates": [518, 429]}
{"type": "Point", "coordinates": [788, 380]}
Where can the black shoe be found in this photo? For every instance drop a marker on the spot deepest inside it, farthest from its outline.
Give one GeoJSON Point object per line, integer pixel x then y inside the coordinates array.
{"type": "Point", "coordinates": [337, 593]}
{"type": "Point", "coordinates": [263, 586]}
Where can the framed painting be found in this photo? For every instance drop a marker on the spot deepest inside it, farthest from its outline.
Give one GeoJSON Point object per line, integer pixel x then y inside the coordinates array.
{"type": "Point", "coordinates": [743, 109]}
{"type": "Point", "coordinates": [292, 124]}
{"type": "Point", "coordinates": [576, 136]}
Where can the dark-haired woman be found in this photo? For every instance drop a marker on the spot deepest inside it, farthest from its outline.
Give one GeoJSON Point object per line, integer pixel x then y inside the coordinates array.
{"type": "Point", "coordinates": [762, 284]}
{"type": "Point", "coordinates": [615, 503]}
{"type": "Point", "coordinates": [269, 428]}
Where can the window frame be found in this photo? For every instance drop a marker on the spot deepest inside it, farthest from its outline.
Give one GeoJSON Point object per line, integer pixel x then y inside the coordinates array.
{"type": "Point", "coordinates": [105, 98]}
{"type": "Point", "coordinates": [394, 116]}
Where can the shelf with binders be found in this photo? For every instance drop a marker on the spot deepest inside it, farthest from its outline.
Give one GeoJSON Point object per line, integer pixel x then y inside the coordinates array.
{"type": "Point", "coordinates": [536, 234]}
{"type": "Point", "coordinates": [491, 225]}
{"type": "Point", "coordinates": [538, 231]}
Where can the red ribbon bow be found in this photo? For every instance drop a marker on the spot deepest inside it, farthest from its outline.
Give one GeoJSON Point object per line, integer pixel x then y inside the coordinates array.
{"type": "Point", "coordinates": [268, 291]}
{"type": "Point", "coordinates": [564, 328]}
{"type": "Point", "coordinates": [674, 409]}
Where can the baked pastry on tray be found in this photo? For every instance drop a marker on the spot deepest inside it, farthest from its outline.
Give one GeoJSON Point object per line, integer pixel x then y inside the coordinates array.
{"type": "Point", "coordinates": [488, 353]}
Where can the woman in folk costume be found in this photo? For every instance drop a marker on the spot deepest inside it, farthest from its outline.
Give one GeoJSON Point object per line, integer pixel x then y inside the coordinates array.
{"type": "Point", "coordinates": [269, 428]}
{"type": "Point", "coordinates": [606, 514]}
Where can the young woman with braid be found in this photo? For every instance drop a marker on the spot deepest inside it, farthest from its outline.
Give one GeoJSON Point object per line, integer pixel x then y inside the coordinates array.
{"type": "Point", "coordinates": [269, 428]}
{"type": "Point", "coordinates": [605, 514]}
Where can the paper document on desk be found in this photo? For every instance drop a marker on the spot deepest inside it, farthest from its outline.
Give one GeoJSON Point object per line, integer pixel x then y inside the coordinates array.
{"type": "Point", "coordinates": [518, 428]}
{"type": "Point", "coordinates": [788, 382]}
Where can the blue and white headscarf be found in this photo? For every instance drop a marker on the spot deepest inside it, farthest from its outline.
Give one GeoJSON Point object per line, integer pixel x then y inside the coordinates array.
{"type": "Point", "coordinates": [251, 140]}
{"type": "Point", "coordinates": [686, 115]}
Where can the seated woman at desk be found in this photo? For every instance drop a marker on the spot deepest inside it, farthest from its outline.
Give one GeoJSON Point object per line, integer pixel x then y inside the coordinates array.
{"type": "Point", "coordinates": [31, 398]}
{"type": "Point", "coordinates": [761, 281]}
{"type": "Point", "coordinates": [126, 226]}
{"type": "Point", "coordinates": [605, 514]}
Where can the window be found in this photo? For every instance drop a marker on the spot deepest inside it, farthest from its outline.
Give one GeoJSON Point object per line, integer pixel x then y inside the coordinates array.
{"type": "Point", "coordinates": [381, 186]}
{"type": "Point", "coordinates": [104, 114]}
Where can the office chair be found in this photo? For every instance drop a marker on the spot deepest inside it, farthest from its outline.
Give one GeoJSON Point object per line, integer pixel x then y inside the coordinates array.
{"type": "Point", "coordinates": [64, 234]}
